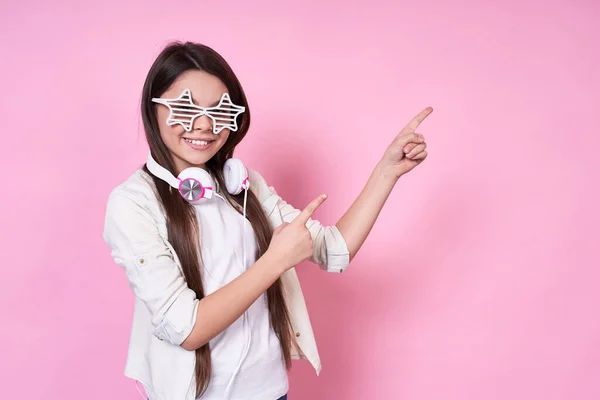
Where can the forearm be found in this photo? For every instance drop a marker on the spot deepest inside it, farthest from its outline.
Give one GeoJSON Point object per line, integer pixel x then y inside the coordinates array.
{"type": "Point", "coordinates": [358, 221]}
{"type": "Point", "coordinates": [221, 308]}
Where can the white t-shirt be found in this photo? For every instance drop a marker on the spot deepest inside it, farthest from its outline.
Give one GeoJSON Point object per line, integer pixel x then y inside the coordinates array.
{"type": "Point", "coordinates": [249, 340]}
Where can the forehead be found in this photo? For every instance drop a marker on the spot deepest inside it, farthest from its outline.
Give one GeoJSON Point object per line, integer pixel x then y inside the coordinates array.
{"type": "Point", "coordinates": [206, 89]}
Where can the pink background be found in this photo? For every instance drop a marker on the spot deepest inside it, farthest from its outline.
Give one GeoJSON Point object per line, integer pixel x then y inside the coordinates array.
{"type": "Point", "coordinates": [480, 279]}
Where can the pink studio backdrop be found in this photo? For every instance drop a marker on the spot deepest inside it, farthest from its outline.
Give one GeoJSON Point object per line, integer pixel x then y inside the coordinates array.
{"type": "Point", "coordinates": [480, 279]}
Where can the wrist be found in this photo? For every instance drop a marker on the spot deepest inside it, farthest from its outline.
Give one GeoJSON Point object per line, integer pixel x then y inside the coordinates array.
{"type": "Point", "coordinates": [386, 173]}
{"type": "Point", "coordinates": [274, 262]}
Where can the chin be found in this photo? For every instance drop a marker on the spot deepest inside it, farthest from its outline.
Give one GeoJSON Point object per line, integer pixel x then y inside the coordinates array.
{"type": "Point", "coordinates": [197, 159]}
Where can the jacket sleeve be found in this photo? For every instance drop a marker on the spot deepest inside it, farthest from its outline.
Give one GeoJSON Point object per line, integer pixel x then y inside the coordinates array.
{"type": "Point", "coordinates": [331, 251]}
{"type": "Point", "coordinates": [154, 277]}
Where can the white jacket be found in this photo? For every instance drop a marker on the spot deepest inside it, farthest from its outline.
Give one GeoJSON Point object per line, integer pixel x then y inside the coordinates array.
{"type": "Point", "coordinates": [165, 308]}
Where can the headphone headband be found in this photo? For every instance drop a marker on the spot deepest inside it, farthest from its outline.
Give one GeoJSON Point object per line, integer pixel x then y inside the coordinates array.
{"type": "Point", "coordinates": [161, 172]}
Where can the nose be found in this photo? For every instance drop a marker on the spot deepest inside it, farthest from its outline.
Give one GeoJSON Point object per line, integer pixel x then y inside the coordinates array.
{"type": "Point", "coordinates": [203, 123]}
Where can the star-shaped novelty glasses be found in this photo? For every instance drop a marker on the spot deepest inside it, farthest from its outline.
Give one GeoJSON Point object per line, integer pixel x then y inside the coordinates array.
{"type": "Point", "coordinates": [183, 111]}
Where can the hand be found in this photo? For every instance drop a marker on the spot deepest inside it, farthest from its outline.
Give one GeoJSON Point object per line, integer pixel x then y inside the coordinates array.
{"type": "Point", "coordinates": [408, 148]}
{"type": "Point", "coordinates": [291, 242]}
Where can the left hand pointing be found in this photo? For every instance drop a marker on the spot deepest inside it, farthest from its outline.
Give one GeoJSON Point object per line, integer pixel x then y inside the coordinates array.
{"type": "Point", "coordinates": [408, 148]}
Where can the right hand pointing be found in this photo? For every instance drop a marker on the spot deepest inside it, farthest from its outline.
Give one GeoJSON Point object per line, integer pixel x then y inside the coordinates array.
{"type": "Point", "coordinates": [292, 243]}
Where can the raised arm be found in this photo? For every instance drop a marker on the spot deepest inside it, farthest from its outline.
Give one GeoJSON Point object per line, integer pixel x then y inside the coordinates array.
{"type": "Point", "coordinates": [336, 245]}
{"type": "Point", "coordinates": [403, 154]}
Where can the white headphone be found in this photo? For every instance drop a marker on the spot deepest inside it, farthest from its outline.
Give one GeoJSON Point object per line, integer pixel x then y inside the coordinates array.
{"type": "Point", "coordinates": [196, 185]}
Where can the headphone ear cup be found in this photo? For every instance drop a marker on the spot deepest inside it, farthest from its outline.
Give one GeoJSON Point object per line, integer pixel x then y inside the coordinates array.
{"type": "Point", "coordinates": [196, 185]}
{"type": "Point", "coordinates": [235, 175]}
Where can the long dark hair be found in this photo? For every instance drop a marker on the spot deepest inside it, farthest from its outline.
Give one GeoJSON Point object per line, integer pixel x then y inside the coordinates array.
{"type": "Point", "coordinates": [174, 60]}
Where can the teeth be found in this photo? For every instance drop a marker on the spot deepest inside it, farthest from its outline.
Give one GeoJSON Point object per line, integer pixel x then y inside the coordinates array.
{"type": "Point", "coordinates": [198, 142]}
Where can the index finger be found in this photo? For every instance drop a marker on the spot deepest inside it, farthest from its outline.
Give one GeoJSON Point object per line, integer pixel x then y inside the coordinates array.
{"type": "Point", "coordinates": [416, 121]}
{"type": "Point", "coordinates": [303, 217]}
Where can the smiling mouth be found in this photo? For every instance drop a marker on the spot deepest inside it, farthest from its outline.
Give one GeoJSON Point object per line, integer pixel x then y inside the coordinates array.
{"type": "Point", "coordinates": [198, 142]}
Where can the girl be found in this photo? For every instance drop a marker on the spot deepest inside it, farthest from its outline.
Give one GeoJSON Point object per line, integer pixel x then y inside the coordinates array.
{"type": "Point", "coordinates": [209, 248]}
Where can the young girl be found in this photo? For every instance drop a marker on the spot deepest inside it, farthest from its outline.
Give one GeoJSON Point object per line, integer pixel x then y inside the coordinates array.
{"type": "Point", "coordinates": [209, 248]}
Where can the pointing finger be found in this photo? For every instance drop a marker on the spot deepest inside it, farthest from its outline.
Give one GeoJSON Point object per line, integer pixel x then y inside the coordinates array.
{"type": "Point", "coordinates": [416, 121]}
{"type": "Point", "coordinates": [303, 217]}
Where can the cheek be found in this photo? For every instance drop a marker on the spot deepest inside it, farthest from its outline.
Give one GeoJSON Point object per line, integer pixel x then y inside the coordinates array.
{"type": "Point", "coordinates": [162, 114]}
{"type": "Point", "coordinates": [223, 136]}
{"type": "Point", "coordinates": [170, 135]}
